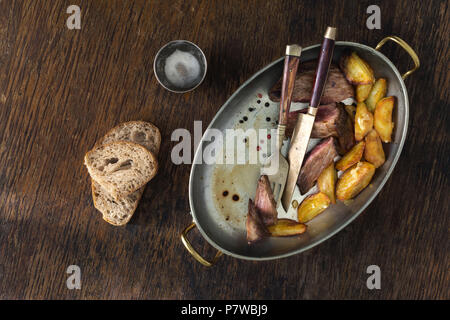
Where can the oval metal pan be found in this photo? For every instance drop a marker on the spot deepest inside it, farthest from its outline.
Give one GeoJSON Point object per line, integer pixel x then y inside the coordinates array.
{"type": "Point", "coordinates": [228, 236]}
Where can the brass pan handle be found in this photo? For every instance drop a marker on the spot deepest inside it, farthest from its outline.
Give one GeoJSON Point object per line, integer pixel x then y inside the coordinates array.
{"type": "Point", "coordinates": [193, 252]}
{"type": "Point", "coordinates": [407, 48]}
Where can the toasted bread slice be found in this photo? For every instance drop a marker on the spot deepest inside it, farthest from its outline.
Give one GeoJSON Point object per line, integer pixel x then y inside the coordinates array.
{"type": "Point", "coordinates": [115, 212]}
{"type": "Point", "coordinates": [121, 167]}
{"type": "Point", "coordinates": [140, 132]}
{"type": "Point", "coordinates": [118, 213]}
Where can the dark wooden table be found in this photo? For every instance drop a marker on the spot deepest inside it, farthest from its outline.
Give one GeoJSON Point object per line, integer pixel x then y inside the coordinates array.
{"type": "Point", "coordinates": [62, 89]}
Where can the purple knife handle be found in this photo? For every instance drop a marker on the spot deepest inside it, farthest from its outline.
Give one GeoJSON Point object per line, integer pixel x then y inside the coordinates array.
{"type": "Point", "coordinates": [291, 62]}
{"type": "Point", "coordinates": [326, 53]}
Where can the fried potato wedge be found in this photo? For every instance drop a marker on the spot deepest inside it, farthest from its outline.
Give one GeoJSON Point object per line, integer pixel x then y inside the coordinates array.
{"type": "Point", "coordinates": [354, 180]}
{"type": "Point", "coordinates": [286, 228]}
{"type": "Point", "coordinates": [356, 70]}
{"type": "Point", "coordinates": [312, 206]}
{"type": "Point", "coordinates": [350, 158]}
{"type": "Point", "coordinates": [382, 119]}
{"type": "Point", "coordinates": [327, 182]}
{"type": "Point", "coordinates": [374, 152]}
{"type": "Point", "coordinates": [363, 91]}
{"type": "Point", "coordinates": [363, 121]}
{"type": "Point", "coordinates": [351, 110]}
{"type": "Point", "coordinates": [378, 92]}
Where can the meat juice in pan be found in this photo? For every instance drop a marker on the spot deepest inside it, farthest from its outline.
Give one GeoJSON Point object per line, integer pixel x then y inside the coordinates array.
{"type": "Point", "coordinates": [233, 185]}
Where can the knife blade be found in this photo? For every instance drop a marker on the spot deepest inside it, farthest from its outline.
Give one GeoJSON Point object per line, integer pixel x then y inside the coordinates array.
{"type": "Point", "coordinates": [305, 122]}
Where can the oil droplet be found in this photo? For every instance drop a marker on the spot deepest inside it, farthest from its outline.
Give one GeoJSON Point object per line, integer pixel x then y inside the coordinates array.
{"type": "Point", "coordinates": [225, 193]}
{"type": "Point", "coordinates": [235, 197]}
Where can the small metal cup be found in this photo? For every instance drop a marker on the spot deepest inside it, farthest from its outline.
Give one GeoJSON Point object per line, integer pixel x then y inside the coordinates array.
{"type": "Point", "coordinates": [160, 62]}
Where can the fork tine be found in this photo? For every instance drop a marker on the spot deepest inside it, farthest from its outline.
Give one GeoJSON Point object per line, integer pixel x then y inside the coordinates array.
{"type": "Point", "coordinates": [276, 191]}
{"type": "Point", "coordinates": [277, 179]}
{"type": "Point", "coordinates": [279, 195]}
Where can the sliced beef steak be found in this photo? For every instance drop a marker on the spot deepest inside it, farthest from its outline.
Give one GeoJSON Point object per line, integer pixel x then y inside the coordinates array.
{"type": "Point", "coordinates": [316, 161]}
{"type": "Point", "coordinates": [346, 137]}
{"type": "Point", "coordinates": [336, 89]}
{"type": "Point", "coordinates": [256, 230]}
{"type": "Point", "coordinates": [328, 118]}
{"type": "Point", "coordinates": [265, 202]}
{"type": "Point", "coordinates": [331, 121]}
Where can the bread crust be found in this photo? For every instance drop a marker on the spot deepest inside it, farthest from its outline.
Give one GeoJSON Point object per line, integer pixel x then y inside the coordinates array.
{"type": "Point", "coordinates": [104, 214]}
{"type": "Point", "coordinates": [120, 126]}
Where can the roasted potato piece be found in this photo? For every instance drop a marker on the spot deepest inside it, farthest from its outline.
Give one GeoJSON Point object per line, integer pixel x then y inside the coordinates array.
{"type": "Point", "coordinates": [312, 206]}
{"type": "Point", "coordinates": [286, 228]}
{"type": "Point", "coordinates": [327, 182]}
{"type": "Point", "coordinates": [363, 91]}
{"type": "Point", "coordinates": [374, 152]}
{"type": "Point", "coordinates": [378, 92]}
{"type": "Point", "coordinates": [354, 180]}
{"type": "Point", "coordinates": [382, 119]}
{"type": "Point", "coordinates": [363, 121]}
{"type": "Point", "coordinates": [350, 158]}
{"type": "Point", "coordinates": [351, 110]}
{"type": "Point", "coordinates": [356, 70]}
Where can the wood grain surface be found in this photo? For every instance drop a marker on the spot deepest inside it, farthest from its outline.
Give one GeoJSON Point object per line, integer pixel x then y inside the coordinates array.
{"type": "Point", "coordinates": [61, 89]}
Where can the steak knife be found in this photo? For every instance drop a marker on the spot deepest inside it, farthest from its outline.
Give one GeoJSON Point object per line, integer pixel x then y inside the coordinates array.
{"type": "Point", "coordinates": [305, 122]}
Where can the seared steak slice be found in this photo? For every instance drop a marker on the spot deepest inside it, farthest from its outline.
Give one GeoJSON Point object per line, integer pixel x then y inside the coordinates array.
{"type": "Point", "coordinates": [265, 203]}
{"type": "Point", "coordinates": [327, 119]}
{"type": "Point", "coordinates": [336, 89]}
{"type": "Point", "coordinates": [346, 136]}
{"type": "Point", "coordinates": [331, 121]}
{"type": "Point", "coordinates": [256, 230]}
{"type": "Point", "coordinates": [316, 161]}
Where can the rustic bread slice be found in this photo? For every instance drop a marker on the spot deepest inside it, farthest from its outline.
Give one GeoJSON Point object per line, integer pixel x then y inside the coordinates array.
{"type": "Point", "coordinates": [121, 167]}
{"type": "Point", "coordinates": [119, 213]}
{"type": "Point", "coordinates": [115, 212]}
{"type": "Point", "coordinates": [140, 132]}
